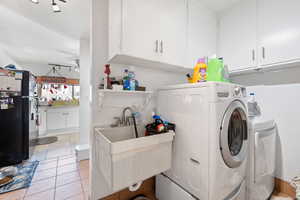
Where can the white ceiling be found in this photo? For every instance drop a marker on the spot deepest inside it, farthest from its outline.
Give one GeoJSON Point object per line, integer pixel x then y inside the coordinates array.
{"type": "Point", "coordinates": [73, 21]}
{"type": "Point", "coordinates": [219, 5]}
{"type": "Point", "coordinates": [32, 33]}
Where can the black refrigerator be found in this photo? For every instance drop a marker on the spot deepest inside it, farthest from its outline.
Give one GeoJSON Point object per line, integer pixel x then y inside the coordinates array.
{"type": "Point", "coordinates": [18, 116]}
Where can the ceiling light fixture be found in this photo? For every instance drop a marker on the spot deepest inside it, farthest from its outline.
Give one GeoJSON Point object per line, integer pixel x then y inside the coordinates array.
{"type": "Point", "coordinates": [55, 7]}
{"type": "Point", "coordinates": [35, 1]}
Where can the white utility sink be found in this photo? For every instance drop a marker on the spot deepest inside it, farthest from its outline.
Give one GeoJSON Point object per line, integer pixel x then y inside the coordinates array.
{"type": "Point", "coordinates": [124, 160]}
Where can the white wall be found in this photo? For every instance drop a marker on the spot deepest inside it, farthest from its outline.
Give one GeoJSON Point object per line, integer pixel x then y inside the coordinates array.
{"type": "Point", "coordinates": [99, 54]}
{"type": "Point", "coordinates": [150, 78]}
{"type": "Point", "coordinates": [85, 84]}
{"type": "Point", "coordinates": [278, 94]}
{"type": "Point", "coordinates": [42, 69]}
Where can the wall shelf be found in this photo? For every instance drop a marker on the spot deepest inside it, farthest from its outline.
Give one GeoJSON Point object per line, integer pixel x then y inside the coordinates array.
{"type": "Point", "coordinates": [131, 96]}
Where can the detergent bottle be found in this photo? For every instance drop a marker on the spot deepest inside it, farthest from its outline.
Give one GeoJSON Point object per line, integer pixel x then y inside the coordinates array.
{"type": "Point", "coordinates": [200, 71]}
{"type": "Point", "coordinates": [216, 71]}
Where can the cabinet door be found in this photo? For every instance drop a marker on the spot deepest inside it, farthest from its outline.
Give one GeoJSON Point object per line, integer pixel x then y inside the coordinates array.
{"type": "Point", "coordinates": [237, 36]}
{"type": "Point", "coordinates": [43, 122]}
{"type": "Point", "coordinates": [278, 31]}
{"type": "Point", "coordinates": [202, 32]}
{"type": "Point", "coordinates": [173, 31]}
{"type": "Point", "coordinates": [73, 118]}
{"type": "Point", "coordinates": [141, 28]}
{"type": "Point", "coordinates": [56, 120]}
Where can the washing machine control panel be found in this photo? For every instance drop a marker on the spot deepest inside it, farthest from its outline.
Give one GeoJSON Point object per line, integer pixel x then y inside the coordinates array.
{"type": "Point", "coordinates": [239, 91]}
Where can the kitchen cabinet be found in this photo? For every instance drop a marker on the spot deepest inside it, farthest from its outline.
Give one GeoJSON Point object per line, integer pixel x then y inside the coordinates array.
{"type": "Point", "coordinates": [278, 31]}
{"type": "Point", "coordinates": [72, 119]}
{"type": "Point", "coordinates": [202, 32]}
{"type": "Point", "coordinates": [59, 119]}
{"type": "Point", "coordinates": [237, 36]}
{"type": "Point", "coordinates": [56, 120]}
{"type": "Point", "coordinates": [148, 32]}
{"type": "Point", "coordinates": [42, 121]}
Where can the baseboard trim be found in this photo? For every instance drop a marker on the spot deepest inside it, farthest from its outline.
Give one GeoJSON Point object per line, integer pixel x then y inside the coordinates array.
{"type": "Point", "coordinates": [61, 131]}
{"type": "Point", "coordinates": [282, 186]}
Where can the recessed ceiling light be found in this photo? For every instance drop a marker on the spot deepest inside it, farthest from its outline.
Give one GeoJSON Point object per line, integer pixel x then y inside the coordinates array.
{"type": "Point", "coordinates": [35, 1]}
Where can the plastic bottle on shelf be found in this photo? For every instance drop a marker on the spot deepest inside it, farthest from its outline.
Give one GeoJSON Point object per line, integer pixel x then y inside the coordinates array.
{"type": "Point", "coordinates": [107, 72]}
{"type": "Point", "coordinates": [132, 81]}
{"type": "Point", "coordinates": [126, 80]}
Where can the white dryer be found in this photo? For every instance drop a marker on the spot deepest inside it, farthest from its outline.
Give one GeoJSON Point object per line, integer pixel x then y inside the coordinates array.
{"type": "Point", "coordinates": [211, 142]}
{"type": "Point", "coordinates": [262, 158]}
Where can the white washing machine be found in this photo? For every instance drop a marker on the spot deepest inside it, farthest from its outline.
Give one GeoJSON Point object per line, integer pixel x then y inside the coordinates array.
{"type": "Point", "coordinates": [262, 159]}
{"type": "Point", "coordinates": [211, 143]}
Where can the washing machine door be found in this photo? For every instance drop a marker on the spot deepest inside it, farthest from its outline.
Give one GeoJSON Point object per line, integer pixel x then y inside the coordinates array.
{"type": "Point", "coordinates": [234, 135]}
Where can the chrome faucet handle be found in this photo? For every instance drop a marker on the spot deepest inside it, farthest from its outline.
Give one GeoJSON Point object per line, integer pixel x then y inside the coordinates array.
{"type": "Point", "coordinates": [118, 122]}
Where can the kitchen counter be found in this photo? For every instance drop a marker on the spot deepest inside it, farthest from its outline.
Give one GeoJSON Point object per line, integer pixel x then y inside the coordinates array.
{"type": "Point", "coordinates": [59, 106]}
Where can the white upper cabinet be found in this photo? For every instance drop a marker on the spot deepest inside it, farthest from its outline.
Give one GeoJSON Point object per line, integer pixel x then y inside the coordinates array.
{"type": "Point", "coordinates": [148, 32]}
{"type": "Point", "coordinates": [237, 36]}
{"type": "Point", "coordinates": [260, 33]}
{"type": "Point", "coordinates": [141, 28]}
{"type": "Point", "coordinates": [170, 34]}
{"type": "Point", "coordinates": [202, 32]}
{"type": "Point", "coordinates": [173, 31]}
{"type": "Point", "coordinates": [278, 31]}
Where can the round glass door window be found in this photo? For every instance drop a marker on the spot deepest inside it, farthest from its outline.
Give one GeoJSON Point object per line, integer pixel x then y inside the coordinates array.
{"type": "Point", "coordinates": [236, 133]}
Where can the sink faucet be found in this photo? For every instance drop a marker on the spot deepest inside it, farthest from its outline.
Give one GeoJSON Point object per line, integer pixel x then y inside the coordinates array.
{"type": "Point", "coordinates": [128, 122]}
{"type": "Point", "coordinates": [125, 121]}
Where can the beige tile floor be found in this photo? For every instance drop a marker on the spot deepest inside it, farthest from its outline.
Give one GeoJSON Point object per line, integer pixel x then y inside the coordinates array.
{"type": "Point", "coordinates": [58, 176]}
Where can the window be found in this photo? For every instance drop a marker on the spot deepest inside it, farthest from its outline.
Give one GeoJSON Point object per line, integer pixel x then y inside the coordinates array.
{"type": "Point", "coordinates": [59, 92]}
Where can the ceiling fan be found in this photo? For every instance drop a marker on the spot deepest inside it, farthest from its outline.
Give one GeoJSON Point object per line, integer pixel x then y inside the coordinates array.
{"type": "Point", "coordinates": [55, 6]}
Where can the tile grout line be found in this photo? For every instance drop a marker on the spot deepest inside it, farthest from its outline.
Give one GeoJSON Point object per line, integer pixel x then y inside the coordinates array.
{"type": "Point", "coordinates": [26, 192]}
{"type": "Point", "coordinates": [54, 195]}
{"type": "Point", "coordinates": [46, 157]}
{"type": "Point", "coordinates": [81, 181]}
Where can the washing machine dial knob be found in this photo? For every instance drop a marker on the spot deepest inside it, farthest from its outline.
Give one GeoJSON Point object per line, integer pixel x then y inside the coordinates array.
{"type": "Point", "coordinates": [237, 91]}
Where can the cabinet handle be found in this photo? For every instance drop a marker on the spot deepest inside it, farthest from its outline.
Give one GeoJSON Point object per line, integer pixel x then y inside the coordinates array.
{"type": "Point", "coordinates": [161, 46]}
{"type": "Point", "coordinates": [263, 52]}
{"type": "Point", "coordinates": [156, 46]}
{"type": "Point", "coordinates": [253, 55]}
